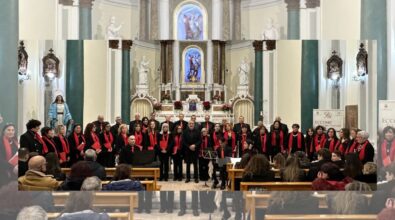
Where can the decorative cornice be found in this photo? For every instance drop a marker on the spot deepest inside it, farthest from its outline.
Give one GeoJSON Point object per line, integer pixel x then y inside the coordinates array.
{"type": "Point", "coordinates": [313, 3]}
{"type": "Point", "coordinates": [113, 44]}
{"type": "Point", "coordinates": [66, 2]}
{"type": "Point", "coordinates": [293, 4]}
{"type": "Point", "coordinates": [127, 44]}
{"type": "Point", "coordinates": [259, 3]}
{"type": "Point", "coordinates": [258, 45]}
{"type": "Point", "coordinates": [86, 3]}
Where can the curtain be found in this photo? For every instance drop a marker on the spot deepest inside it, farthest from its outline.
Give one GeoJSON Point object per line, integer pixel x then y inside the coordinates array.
{"type": "Point", "coordinates": [141, 106]}
{"type": "Point", "coordinates": [244, 108]}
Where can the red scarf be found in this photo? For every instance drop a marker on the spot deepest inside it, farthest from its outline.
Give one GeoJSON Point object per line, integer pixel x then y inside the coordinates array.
{"type": "Point", "coordinates": [362, 151]}
{"type": "Point", "coordinates": [177, 143]}
{"type": "Point", "coordinates": [77, 141]}
{"type": "Point", "coordinates": [7, 148]}
{"type": "Point", "coordinates": [207, 126]}
{"type": "Point", "coordinates": [139, 138]}
{"type": "Point", "coordinates": [351, 149]}
{"type": "Point", "coordinates": [216, 141]}
{"type": "Point", "coordinates": [281, 140]}
{"type": "Point", "coordinates": [65, 148]}
{"type": "Point", "coordinates": [387, 159]}
{"type": "Point", "coordinates": [226, 136]}
{"type": "Point", "coordinates": [108, 140]}
{"type": "Point", "coordinates": [222, 153]}
{"type": "Point", "coordinates": [319, 142]}
{"type": "Point", "coordinates": [163, 144]}
{"type": "Point", "coordinates": [291, 141]}
{"type": "Point", "coordinates": [39, 139]}
{"type": "Point", "coordinates": [311, 148]}
{"type": "Point", "coordinates": [125, 139]}
{"type": "Point", "coordinates": [243, 139]}
{"type": "Point", "coordinates": [96, 141]}
{"type": "Point", "coordinates": [332, 144]}
{"type": "Point", "coordinates": [152, 140]}
{"type": "Point", "coordinates": [132, 147]}
{"type": "Point", "coordinates": [204, 145]}
{"type": "Point", "coordinates": [52, 143]}
{"type": "Point", "coordinates": [263, 143]}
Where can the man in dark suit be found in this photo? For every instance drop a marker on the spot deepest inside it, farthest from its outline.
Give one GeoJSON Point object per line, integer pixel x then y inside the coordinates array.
{"type": "Point", "coordinates": [191, 139]}
{"type": "Point", "coordinates": [99, 124]}
{"type": "Point", "coordinates": [237, 127]}
{"type": "Point", "coordinates": [31, 139]}
{"type": "Point", "coordinates": [114, 129]}
{"type": "Point", "coordinates": [132, 124]}
{"type": "Point", "coordinates": [181, 122]}
{"type": "Point", "coordinates": [207, 124]}
{"type": "Point", "coordinates": [169, 122]}
{"type": "Point", "coordinates": [157, 124]}
{"type": "Point", "coordinates": [197, 125]}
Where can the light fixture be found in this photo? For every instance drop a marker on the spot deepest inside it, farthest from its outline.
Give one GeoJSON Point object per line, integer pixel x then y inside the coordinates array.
{"type": "Point", "coordinates": [362, 64]}
{"type": "Point", "coordinates": [22, 63]}
{"type": "Point", "coordinates": [334, 67]}
{"type": "Point", "coordinates": [50, 66]}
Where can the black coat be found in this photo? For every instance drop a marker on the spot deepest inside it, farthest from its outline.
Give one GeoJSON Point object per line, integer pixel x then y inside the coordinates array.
{"type": "Point", "coordinates": [184, 125]}
{"type": "Point", "coordinates": [369, 154]}
{"type": "Point", "coordinates": [237, 128]}
{"type": "Point", "coordinates": [227, 152]}
{"type": "Point", "coordinates": [169, 147]}
{"type": "Point", "coordinates": [171, 125]}
{"type": "Point", "coordinates": [126, 154]}
{"type": "Point", "coordinates": [258, 144]}
{"type": "Point", "coordinates": [210, 126]}
{"type": "Point", "coordinates": [74, 152]}
{"type": "Point", "coordinates": [114, 130]}
{"type": "Point", "coordinates": [97, 169]}
{"type": "Point", "coordinates": [29, 141]}
{"type": "Point", "coordinates": [99, 127]}
{"type": "Point", "coordinates": [132, 124]}
{"type": "Point", "coordinates": [294, 145]}
{"type": "Point", "coordinates": [190, 137]}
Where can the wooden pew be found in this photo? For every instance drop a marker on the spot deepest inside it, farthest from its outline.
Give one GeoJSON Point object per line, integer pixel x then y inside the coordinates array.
{"type": "Point", "coordinates": [136, 173]}
{"type": "Point", "coordinates": [115, 215]}
{"type": "Point", "coordinates": [277, 186]}
{"type": "Point", "coordinates": [104, 199]}
{"type": "Point", "coordinates": [319, 217]}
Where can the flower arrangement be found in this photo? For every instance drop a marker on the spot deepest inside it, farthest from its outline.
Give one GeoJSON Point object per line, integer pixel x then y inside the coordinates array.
{"type": "Point", "coordinates": [158, 106]}
{"type": "Point", "coordinates": [178, 105]}
{"type": "Point", "coordinates": [206, 105]}
{"type": "Point", "coordinates": [226, 107]}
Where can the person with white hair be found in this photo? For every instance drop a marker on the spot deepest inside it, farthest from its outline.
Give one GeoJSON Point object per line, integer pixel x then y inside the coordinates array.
{"type": "Point", "coordinates": [363, 148]}
{"type": "Point", "coordinates": [92, 183]}
{"type": "Point", "coordinates": [96, 168]}
{"type": "Point", "coordinates": [32, 213]}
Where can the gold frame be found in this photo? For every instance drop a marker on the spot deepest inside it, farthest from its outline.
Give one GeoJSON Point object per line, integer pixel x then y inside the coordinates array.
{"type": "Point", "coordinates": [202, 65]}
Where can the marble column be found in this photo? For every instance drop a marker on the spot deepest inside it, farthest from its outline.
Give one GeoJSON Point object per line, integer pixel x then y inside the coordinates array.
{"type": "Point", "coordinates": [217, 19]}
{"type": "Point", "coordinates": [222, 54]}
{"type": "Point", "coordinates": [209, 73]}
{"type": "Point", "coordinates": [126, 93]}
{"type": "Point", "coordinates": [226, 20]}
{"type": "Point", "coordinates": [374, 27]}
{"type": "Point", "coordinates": [75, 79]}
{"type": "Point", "coordinates": [164, 14]}
{"type": "Point", "coordinates": [310, 81]}
{"type": "Point", "coordinates": [236, 20]}
{"type": "Point", "coordinates": [311, 24]}
{"type": "Point", "coordinates": [258, 80]}
{"type": "Point", "coordinates": [293, 7]}
{"type": "Point", "coordinates": [163, 61]}
{"type": "Point", "coordinates": [143, 33]}
{"type": "Point", "coordinates": [169, 56]}
{"type": "Point", "coordinates": [391, 48]}
{"type": "Point", "coordinates": [85, 19]}
{"type": "Point", "coordinates": [9, 26]}
{"type": "Point", "coordinates": [154, 26]}
{"type": "Point", "coordinates": [176, 68]}
{"type": "Point", "coordinates": [216, 75]}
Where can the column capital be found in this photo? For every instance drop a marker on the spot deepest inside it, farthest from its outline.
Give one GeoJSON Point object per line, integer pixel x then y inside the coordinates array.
{"type": "Point", "coordinates": [113, 44]}
{"type": "Point", "coordinates": [66, 2]}
{"type": "Point", "coordinates": [293, 4]}
{"type": "Point", "coordinates": [313, 3]}
{"type": "Point", "coordinates": [258, 45]}
{"type": "Point", "coordinates": [127, 44]}
{"type": "Point", "coordinates": [86, 3]}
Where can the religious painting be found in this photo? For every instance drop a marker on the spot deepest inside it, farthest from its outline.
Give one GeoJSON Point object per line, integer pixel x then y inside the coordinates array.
{"type": "Point", "coordinates": [334, 67]}
{"type": "Point", "coordinates": [193, 57]}
{"type": "Point", "coordinates": [190, 23]}
{"type": "Point", "coordinates": [351, 116]}
{"type": "Point", "coordinates": [50, 66]}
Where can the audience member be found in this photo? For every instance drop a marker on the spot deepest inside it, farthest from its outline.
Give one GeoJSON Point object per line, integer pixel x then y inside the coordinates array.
{"type": "Point", "coordinates": [79, 171]}
{"type": "Point", "coordinates": [96, 168]}
{"type": "Point", "coordinates": [337, 159]}
{"type": "Point", "coordinates": [53, 167]}
{"type": "Point", "coordinates": [23, 157]}
{"type": "Point", "coordinates": [324, 156]}
{"type": "Point", "coordinates": [292, 171]}
{"type": "Point", "coordinates": [32, 213]}
{"type": "Point", "coordinates": [258, 170]}
{"type": "Point", "coordinates": [122, 181]}
{"type": "Point", "coordinates": [92, 183]}
{"type": "Point", "coordinates": [330, 178]}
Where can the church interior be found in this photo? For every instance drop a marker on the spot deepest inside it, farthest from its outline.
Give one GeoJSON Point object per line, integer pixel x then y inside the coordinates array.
{"type": "Point", "coordinates": [308, 65]}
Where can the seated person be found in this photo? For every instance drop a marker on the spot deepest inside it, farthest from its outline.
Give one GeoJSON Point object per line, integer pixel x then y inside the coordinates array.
{"type": "Point", "coordinates": [35, 178]}
{"type": "Point", "coordinates": [97, 169]}
{"type": "Point", "coordinates": [324, 156]}
{"type": "Point", "coordinates": [279, 161]}
{"type": "Point", "coordinates": [23, 157]}
{"type": "Point", "coordinates": [337, 159]}
{"type": "Point", "coordinates": [389, 211]}
{"type": "Point", "coordinates": [384, 190]}
{"type": "Point", "coordinates": [78, 172]}
{"type": "Point", "coordinates": [303, 159]}
{"type": "Point", "coordinates": [258, 170]}
{"type": "Point", "coordinates": [369, 173]}
{"type": "Point", "coordinates": [330, 178]}
{"type": "Point", "coordinates": [292, 171]}
{"type": "Point", "coordinates": [79, 206]}
{"type": "Point", "coordinates": [53, 166]}
{"type": "Point", "coordinates": [292, 202]}
{"type": "Point", "coordinates": [92, 183]}
{"type": "Point", "coordinates": [351, 201]}
{"type": "Point", "coordinates": [32, 212]}
{"type": "Point", "coordinates": [122, 181]}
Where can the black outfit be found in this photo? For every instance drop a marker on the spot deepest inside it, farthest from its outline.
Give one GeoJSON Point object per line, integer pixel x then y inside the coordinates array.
{"type": "Point", "coordinates": [99, 127]}
{"type": "Point", "coordinates": [132, 124]}
{"type": "Point", "coordinates": [166, 201]}
{"type": "Point", "coordinates": [51, 145]}
{"type": "Point", "coordinates": [294, 145]}
{"type": "Point", "coordinates": [315, 168]}
{"type": "Point", "coordinates": [119, 143]}
{"type": "Point", "coordinates": [114, 130]}
{"type": "Point", "coordinates": [278, 145]}
{"type": "Point", "coordinates": [177, 157]}
{"type": "Point", "coordinates": [126, 155]}
{"type": "Point", "coordinates": [75, 154]}
{"type": "Point", "coordinates": [165, 139]}
{"type": "Point", "coordinates": [339, 163]}
{"type": "Point", "coordinates": [72, 184]}
{"type": "Point", "coordinates": [283, 127]}
{"type": "Point", "coordinates": [237, 127]}
{"type": "Point", "coordinates": [240, 138]}
{"type": "Point", "coordinates": [207, 201]}
{"type": "Point", "coordinates": [309, 147]}
{"type": "Point", "coordinates": [369, 153]}
{"type": "Point", "coordinates": [59, 147]}
{"type": "Point", "coordinates": [171, 125]}
{"type": "Point", "coordinates": [29, 141]}
{"type": "Point", "coordinates": [208, 125]}
{"type": "Point", "coordinates": [190, 137]}
{"type": "Point", "coordinates": [22, 168]}
{"type": "Point", "coordinates": [106, 158]}
{"type": "Point", "coordinates": [259, 147]}
{"type": "Point", "coordinates": [206, 144]}
{"type": "Point", "coordinates": [183, 201]}
{"type": "Point", "coordinates": [222, 152]}
{"type": "Point", "coordinates": [97, 169]}
{"type": "Point", "coordinates": [183, 123]}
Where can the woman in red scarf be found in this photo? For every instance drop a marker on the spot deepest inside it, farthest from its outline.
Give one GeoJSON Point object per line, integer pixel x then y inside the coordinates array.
{"type": "Point", "coordinates": [77, 144]}
{"type": "Point", "coordinates": [331, 140]}
{"type": "Point", "coordinates": [230, 138]}
{"type": "Point", "coordinates": [177, 154]}
{"type": "Point", "coordinates": [277, 139]}
{"type": "Point", "coordinates": [353, 141]}
{"type": "Point", "coordinates": [262, 142]}
{"type": "Point", "coordinates": [9, 145]}
{"type": "Point", "coordinates": [206, 145]}
{"type": "Point", "coordinates": [386, 151]}
{"type": "Point", "coordinates": [364, 148]}
{"type": "Point", "coordinates": [309, 143]}
{"type": "Point", "coordinates": [48, 134]}
{"type": "Point", "coordinates": [145, 124]}
{"type": "Point", "coordinates": [320, 138]}
{"type": "Point", "coordinates": [295, 140]}
{"type": "Point", "coordinates": [106, 157]}
{"type": "Point", "coordinates": [152, 136]}
{"type": "Point", "coordinates": [242, 139]}
{"type": "Point", "coordinates": [216, 136]}
{"type": "Point", "coordinates": [122, 138]}
{"type": "Point", "coordinates": [163, 150]}
{"type": "Point", "coordinates": [139, 135]}
{"type": "Point", "coordinates": [344, 140]}
{"type": "Point", "coordinates": [63, 146]}
{"type": "Point", "coordinates": [92, 140]}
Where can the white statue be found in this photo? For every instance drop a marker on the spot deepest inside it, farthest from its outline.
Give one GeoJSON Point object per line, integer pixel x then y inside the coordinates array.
{"type": "Point", "coordinates": [270, 32]}
{"type": "Point", "coordinates": [244, 70]}
{"type": "Point", "coordinates": [113, 30]}
{"type": "Point", "coordinates": [143, 71]}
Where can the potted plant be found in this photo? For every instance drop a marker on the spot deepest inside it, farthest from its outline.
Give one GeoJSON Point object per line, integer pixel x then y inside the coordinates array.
{"type": "Point", "coordinates": [178, 105]}
{"type": "Point", "coordinates": [206, 105]}
{"type": "Point", "coordinates": [226, 107]}
{"type": "Point", "coordinates": [157, 106]}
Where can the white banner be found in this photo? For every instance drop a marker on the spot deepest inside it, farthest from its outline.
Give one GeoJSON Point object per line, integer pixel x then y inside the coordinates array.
{"type": "Point", "coordinates": [386, 114]}
{"type": "Point", "coordinates": [329, 118]}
